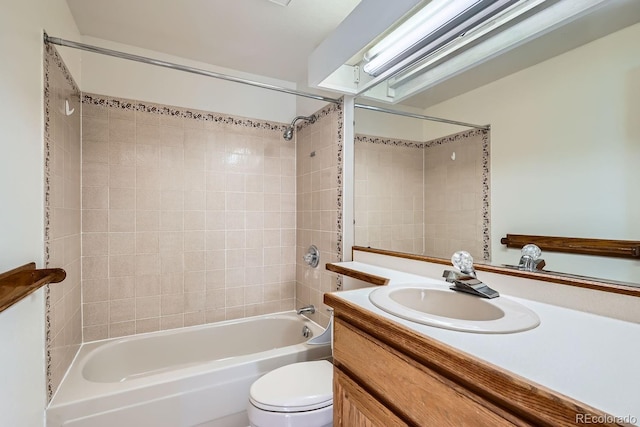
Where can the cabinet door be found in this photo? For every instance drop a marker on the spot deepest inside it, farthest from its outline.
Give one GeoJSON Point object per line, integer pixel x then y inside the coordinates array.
{"type": "Point", "coordinates": [414, 392]}
{"type": "Point", "coordinates": [354, 407]}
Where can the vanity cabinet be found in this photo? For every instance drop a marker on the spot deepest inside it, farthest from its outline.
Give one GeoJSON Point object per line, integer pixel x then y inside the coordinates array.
{"type": "Point", "coordinates": [388, 375]}
{"type": "Point", "coordinates": [353, 406]}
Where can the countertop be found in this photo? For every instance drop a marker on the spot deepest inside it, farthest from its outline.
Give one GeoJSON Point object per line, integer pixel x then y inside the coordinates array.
{"type": "Point", "coordinates": [591, 358]}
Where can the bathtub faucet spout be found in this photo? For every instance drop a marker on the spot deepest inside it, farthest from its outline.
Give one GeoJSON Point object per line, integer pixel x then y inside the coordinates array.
{"type": "Point", "coordinates": [309, 309]}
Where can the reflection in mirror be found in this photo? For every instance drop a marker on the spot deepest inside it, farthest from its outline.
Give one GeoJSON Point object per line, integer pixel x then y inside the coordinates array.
{"type": "Point", "coordinates": [422, 197]}
{"type": "Point", "coordinates": [565, 147]}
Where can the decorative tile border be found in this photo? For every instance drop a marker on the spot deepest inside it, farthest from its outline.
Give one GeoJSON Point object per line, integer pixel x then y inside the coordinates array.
{"type": "Point", "coordinates": [185, 113]}
{"type": "Point", "coordinates": [486, 232]}
{"type": "Point", "coordinates": [367, 139]}
{"type": "Point", "coordinates": [323, 112]}
{"type": "Point", "coordinates": [49, 53]}
{"type": "Point", "coordinates": [327, 111]}
{"type": "Point", "coordinates": [340, 174]}
{"type": "Point", "coordinates": [51, 61]}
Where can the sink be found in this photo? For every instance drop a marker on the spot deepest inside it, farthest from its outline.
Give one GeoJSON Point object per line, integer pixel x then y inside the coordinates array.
{"type": "Point", "coordinates": [443, 308]}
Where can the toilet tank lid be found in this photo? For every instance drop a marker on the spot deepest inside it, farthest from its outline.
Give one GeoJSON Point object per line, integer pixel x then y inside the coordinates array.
{"type": "Point", "coordinates": [303, 386]}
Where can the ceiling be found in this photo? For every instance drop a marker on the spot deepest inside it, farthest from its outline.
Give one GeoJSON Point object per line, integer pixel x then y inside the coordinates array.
{"type": "Point", "coordinates": [254, 36]}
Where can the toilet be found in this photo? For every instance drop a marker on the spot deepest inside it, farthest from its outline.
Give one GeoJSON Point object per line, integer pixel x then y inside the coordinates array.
{"type": "Point", "coordinates": [296, 395]}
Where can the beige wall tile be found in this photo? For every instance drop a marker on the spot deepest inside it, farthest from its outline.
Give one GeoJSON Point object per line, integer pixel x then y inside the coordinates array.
{"type": "Point", "coordinates": [121, 287]}
{"type": "Point", "coordinates": [94, 244]}
{"type": "Point", "coordinates": [95, 220]}
{"type": "Point", "coordinates": [122, 220]}
{"type": "Point", "coordinates": [121, 329]}
{"type": "Point", "coordinates": [147, 307]}
{"type": "Point", "coordinates": [121, 310]}
{"type": "Point", "coordinates": [147, 325]}
{"type": "Point", "coordinates": [96, 290]}
{"type": "Point", "coordinates": [95, 197]}
{"type": "Point", "coordinates": [148, 285]}
{"type": "Point", "coordinates": [95, 128]}
{"type": "Point", "coordinates": [123, 154]}
{"type": "Point", "coordinates": [148, 134]}
{"type": "Point", "coordinates": [95, 174]}
{"type": "Point", "coordinates": [147, 264]}
{"type": "Point", "coordinates": [198, 220]}
{"type": "Point", "coordinates": [96, 313]}
{"type": "Point", "coordinates": [121, 265]}
{"type": "Point", "coordinates": [147, 220]}
{"type": "Point", "coordinates": [172, 321]}
{"type": "Point", "coordinates": [94, 333]}
{"type": "Point", "coordinates": [147, 242]}
{"type": "Point", "coordinates": [95, 267]}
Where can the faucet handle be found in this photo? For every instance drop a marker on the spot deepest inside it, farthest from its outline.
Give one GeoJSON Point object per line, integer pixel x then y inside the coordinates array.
{"type": "Point", "coordinates": [531, 250]}
{"type": "Point", "coordinates": [312, 257]}
{"type": "Point", "coordinates": [530, 259]}
{"type": "Point", "coordinates": [463, 261]}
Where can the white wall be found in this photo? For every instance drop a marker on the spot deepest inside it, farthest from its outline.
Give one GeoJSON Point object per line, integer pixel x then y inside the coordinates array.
{"type": "Point", "coordinates": [116, 77]}
{"type": "Point", "coordinates": [565, 145]}
{"type": "Point", "coordinates": [386, 125]}
{"type": "Point", "coordinates": [22, 340]}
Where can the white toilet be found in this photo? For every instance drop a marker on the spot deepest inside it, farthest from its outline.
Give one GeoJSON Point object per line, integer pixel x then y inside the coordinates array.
{"type": "Point", "coordinates": [296, 395]}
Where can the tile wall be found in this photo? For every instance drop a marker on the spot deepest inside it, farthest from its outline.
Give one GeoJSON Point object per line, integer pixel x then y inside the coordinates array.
{"type": "Point", "coordinates": [62, 215]}
{"type": "Point", "coordinates": [319, 205]}
{"type": "Point", "coordinates": [389, 194]}
{"type": "Point", "coordinates": [456, 214]}
{"type": "Point", "coordinates": [187, 217]}
{"type": "Point", "coordinates": [418, 197]}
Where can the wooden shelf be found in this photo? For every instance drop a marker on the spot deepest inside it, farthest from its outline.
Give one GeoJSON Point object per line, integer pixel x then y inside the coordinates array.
{"type": "Point", "coordinates": [366, 277]}
{"type": "Point", "coordinates": [20, 282]}
{"type": "Point", "coordinates": [575, 245]}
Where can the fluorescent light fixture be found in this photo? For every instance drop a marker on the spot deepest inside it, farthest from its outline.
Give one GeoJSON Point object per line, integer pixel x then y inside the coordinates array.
{"type": "Point", "coordinates": [455, 59]}
{"type": "Point", "coordinates": [469, 37]}
{"type": "Point", "coordinates": [450, 39]}
{"type": "Point", "coordinates": [435, 25]}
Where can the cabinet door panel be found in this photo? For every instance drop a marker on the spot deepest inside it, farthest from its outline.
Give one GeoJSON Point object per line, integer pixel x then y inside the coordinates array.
{"type": "Point", "coordinates": [354, 407]}
{"type": "Point", "coordinates": [414, 392]}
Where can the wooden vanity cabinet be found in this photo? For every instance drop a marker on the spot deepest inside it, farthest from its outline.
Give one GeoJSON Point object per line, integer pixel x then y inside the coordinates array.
{"type": "Point", "coordinates": [386, 375]}
{"type": "Point", "coordinates": [353, 406]}
{"type": "Point", "coordinates": [418, 395]}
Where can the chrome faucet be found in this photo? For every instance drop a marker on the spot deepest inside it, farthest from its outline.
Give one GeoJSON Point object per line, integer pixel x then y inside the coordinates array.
{"type": "Point", "coordinates": [309, 309]}
{"type": "Point", "coordinates": [465, 279]}
{"type": "Point", "coordinates": [530, 258]}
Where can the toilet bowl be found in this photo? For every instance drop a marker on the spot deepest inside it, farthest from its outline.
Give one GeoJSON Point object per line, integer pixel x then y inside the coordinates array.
{"type": "Point", "coordinates": [296, 395]}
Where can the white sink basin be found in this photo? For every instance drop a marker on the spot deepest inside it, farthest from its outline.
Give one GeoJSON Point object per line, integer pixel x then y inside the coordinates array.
{"type": "Point", "coordinates": [444, 308]}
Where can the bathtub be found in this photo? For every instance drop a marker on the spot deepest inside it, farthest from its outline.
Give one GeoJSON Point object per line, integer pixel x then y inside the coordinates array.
{"type": "Point", "coordinates": [195, 376]}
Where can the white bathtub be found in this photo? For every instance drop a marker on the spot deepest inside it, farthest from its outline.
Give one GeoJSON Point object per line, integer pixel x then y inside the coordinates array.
{"type": "Point", "coordinates": [196, 376]}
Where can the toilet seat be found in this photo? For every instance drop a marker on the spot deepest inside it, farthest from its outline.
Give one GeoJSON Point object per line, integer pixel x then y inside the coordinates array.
{"type": "Point", "coordinates": [298, 387]}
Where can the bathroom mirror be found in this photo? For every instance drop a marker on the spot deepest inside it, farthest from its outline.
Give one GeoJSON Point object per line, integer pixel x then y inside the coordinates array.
{"type": "Point", "coordinates": [564, 153]}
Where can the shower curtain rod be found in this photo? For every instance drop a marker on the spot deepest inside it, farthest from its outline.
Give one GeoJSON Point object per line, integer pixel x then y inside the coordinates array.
{"type": "Point", "coordinates": [95, 49]}
{"type": "Point", "coordinates": [145, 60]}
{"type": "Point", "coordinates": [420, 116]}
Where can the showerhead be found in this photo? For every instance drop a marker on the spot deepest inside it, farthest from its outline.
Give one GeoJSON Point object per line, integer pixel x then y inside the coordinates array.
{"type": "Point", "coordinates": [288, 132]}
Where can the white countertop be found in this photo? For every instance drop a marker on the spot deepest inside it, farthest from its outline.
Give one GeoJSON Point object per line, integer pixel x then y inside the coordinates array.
{"type": "Point", "coordinates": [591, 358]}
